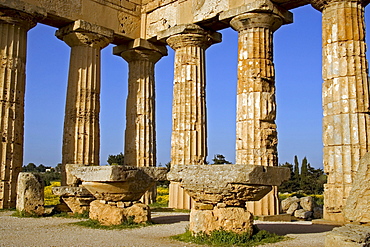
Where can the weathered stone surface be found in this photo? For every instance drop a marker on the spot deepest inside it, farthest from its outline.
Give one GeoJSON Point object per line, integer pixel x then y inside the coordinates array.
{"type": "Point", "coordinates": [307, 203]}
{"type": "Point", "coordinates": [302, 214]}
{"type": "Point", "coordinates": [30, 193]}
{"type": "Point", "coordinates": [357, 207]}
{"type": "Point", "coordinates": [285, 204]}
{"type": "Point", "coordinates": [112, 215]}
{"type": "Point", "coordinates": [292, 208]}
{"type": "Point", "coordinates": [115, 173]}
{"type": "Point", "coordinates": [348, 236]}
{"type": "Point", "coordinates": [81, 142]}
{"type": "Point", "coordinates": [12, 86]}
{"type": "Point", "coordinates": [77, 204]}
{"type": "Point", "coordinates": [70, 191]}
{"type": "Point", "coordinates": [345, 100]}
{"type": "Point", "coordinates": [234, 219]}
{"type": "Point", "coordinates": [230, 184]}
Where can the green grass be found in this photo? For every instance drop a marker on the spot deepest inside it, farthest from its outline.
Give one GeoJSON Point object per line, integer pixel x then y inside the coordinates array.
{"type": "Point", "coordinates": [228, 238]}
{"type": "Point", "coordinates": [129, 224]}
{"type": "Point", "coordinates": [84, 215]}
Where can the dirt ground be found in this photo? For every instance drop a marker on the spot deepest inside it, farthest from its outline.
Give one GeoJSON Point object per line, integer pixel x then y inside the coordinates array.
{"type": "Point", "coordinates": [52, 231]}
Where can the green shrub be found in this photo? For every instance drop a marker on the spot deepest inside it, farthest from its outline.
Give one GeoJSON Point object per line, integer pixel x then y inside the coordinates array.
{"type": "Point", "coordinates": [228, 238]}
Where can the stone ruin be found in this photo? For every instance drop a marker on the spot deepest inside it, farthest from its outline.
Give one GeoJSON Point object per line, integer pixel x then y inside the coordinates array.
{"type": "Point", "coordinates": [141, 29]}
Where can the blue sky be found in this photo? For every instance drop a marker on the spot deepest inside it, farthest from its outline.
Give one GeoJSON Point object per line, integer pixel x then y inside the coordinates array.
{"type": "Point", "coordinates": [297, 57]}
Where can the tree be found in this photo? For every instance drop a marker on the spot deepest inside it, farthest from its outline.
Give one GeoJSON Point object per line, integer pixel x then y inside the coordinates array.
{"type": "Point", "coordinates": [58, 168]}
{"type": "Point", "coordinates": [219, 159]}
{"type": "Point", "coordinates": [31, 167]}
{"type": "Point", "coordinates": [116, 159]}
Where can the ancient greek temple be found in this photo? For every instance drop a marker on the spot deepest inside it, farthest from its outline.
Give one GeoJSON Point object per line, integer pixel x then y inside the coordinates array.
{"type": "Point", "coordinates": [141, 30]}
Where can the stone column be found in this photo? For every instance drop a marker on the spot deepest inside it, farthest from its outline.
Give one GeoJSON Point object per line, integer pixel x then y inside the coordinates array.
{"type": "Point", "coordinates": [189, 126]}
{"type": "Point", "coordinates": [345, 99]}
{"type": "Point", "coordinates": [140, 135]}
{"type": "Point", "coordinates": [256, 135]}
{"type": "Point", "coordinates": [13, 30]}
{"type": "Point", "coordinates": [81, 137]}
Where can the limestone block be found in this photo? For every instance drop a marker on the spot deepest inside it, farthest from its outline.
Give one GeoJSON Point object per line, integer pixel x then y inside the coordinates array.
{"type": "Point", "coordinates": [357, 208]}
{"type": "Point", "coordinates": [302, 214]}
{"type": "Point", "coordinates": [307, 203]}
{"type": "Point", "coordinates": [292, 208]}
{"type": "Point", "coordinates": [318, 213]}
{"type": "Point", "coordinates": [285, 204]}
{"type": "Point", "coordinates": [76, 204]}
{"type": "Point", "coordinates": [207, 9]}
{"type": "Point", "coordinates": [230, 184]}
{"type": "Point", "coordinates": [348, 236]}
{"type": "Point", "coordinates": [234, 219]}
{"type": "Point", "coordinates": [108, 214]}
{"type": "Point", "coordinates": [30, 193]}
{"type": "Point", "coordinates": [70, 191]}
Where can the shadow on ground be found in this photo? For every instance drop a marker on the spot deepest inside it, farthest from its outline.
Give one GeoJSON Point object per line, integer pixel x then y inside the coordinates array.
{"type": "Point", "coordinates": [286, 228]}
{"type": "Point", "coordinates": [170, 219]}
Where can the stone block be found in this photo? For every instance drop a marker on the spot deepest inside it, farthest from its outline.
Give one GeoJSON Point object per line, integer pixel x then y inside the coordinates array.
{"type": "Point", "coordinates": [302, 214]}
{"type": "Point", "coordinates": [348, 236]}
{"type": "Point", "coordinates": [30, 193]}
{"type": "Point", "coordinates": [292, 208]}
{"type": "Point", "coordinates": [234, 219]}
{"type": "Point", "coordinates": [76, 205]}
{"type": "Point", "coordinates": [285, 204]}
{"type": "Point", "coordinates": [307, 203]}
{"type": "Point", "coordinates": [70, 191]}
{"type": "Point", "coordinates": [108, 214]}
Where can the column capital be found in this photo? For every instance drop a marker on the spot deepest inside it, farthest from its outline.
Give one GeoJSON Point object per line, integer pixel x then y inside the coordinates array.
{"type": "Point", "coordinates": [251, 20]}
{"type": "Point", "coordinates": [82, 33]}
{"type": "Point", "coordinates": [140, 49]}
{"type": "Point", "coordinates": [321, 4]}
{"type": "Point", "coordinates": [189, 35]}
{"type": "Point", "coordinates": [27, 21]}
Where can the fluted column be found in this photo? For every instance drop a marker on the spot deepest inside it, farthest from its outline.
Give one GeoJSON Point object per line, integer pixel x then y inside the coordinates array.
{"type": "Point", "coordinates": [189, 122]}
{"type": "Point", "coordinates": [256, 135]}
{"type": "Point", "coordinates": [345, 99]}
{"type": "Point", "coordinates": [13, 44]}
{"type": "Point", "coordinates": [140, 135]}
{"type": "Point", "coordinates": [81, 137]}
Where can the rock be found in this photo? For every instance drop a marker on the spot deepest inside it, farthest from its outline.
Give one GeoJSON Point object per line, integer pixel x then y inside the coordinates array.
{"type": "Point", "coordinates": [302, 214]}
{"type": "Point", "coordinates": [229, 184]}
{"type": "Point", "coordinates": [318, 213]}
{"type": "Point", "coordinates": [203, 206]}
{"type": "Point", "coordinates": [30, 193]}
{"type": "Point", "coordinates": [307, 203]}
{"type": "Point", "coordinates": [293, 207]}
{"type": "Point", "coordinates": [357, 208]}
{"type": "Point", "coordinates": [70, 191]}
{"type": "Point", "coordinates": [285, 204]}
{"type": "Point", "coordinates": [348, 236]}
{"type": "Point", "coordinates": [76, 205]}
{"type": "Point", "coordinates": [108, 214]}
{"type": "Point", "coordinates": [234, 219]}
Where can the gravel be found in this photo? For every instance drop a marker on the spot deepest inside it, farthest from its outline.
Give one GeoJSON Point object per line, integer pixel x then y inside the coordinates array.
{"type": "Point", "coordinates": [52, 231]}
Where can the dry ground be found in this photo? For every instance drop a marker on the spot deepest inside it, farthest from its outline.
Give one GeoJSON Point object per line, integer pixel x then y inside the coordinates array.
{"type": "Point", "coordinates": [53, 231]}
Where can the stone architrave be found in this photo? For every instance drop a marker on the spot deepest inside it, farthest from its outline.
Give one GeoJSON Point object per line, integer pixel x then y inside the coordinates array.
{"type": "Point", "coordinates": [14, 26]}
{"type": "Point", "coordinates": [81, 137]}
{"type": "Point", "coordinates": [346, 100]}
{"type": "Point", "coordinates": [30, 193]}
{"type": "Point", "coordinates": [189, 121]}
{"type": "Point", "coordinates": [256, 135]}
{"type": "Point", "coordinates": [140, 135]}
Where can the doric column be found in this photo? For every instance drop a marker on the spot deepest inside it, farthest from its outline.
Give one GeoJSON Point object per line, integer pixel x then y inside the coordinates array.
{"type": "Point", "coordinates": [345, 98]}
{"type": "Point", "coordinates": [13, 42]}
{"type": "Point", "coordinates": [189, 122]}
{"type": "Point", "coordinates": [256, 135]}
{"type": "Point", "coordinates": [140, 135]}
{"type": "Point", "coordinates": [81, 137]}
